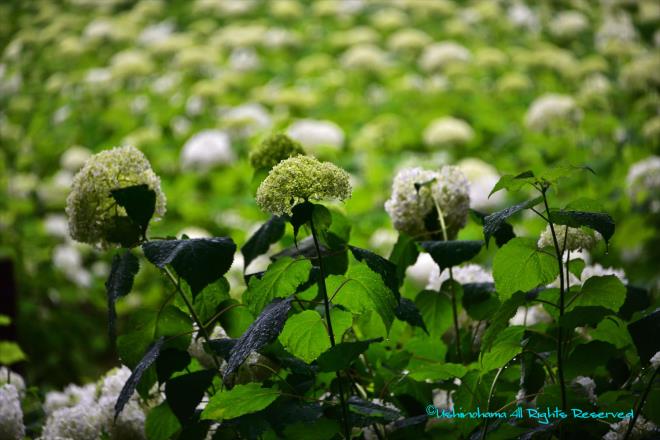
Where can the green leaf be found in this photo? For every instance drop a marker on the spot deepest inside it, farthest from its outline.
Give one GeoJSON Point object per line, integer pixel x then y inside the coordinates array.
{"type": "Point", "coordinates": [235, 319]}
{"type": "Point", "coordinates": [185, 392]}
{"type": "Point", "coordinates": [612, 330]}
{"type": "Point", "coordinates": [360, 290]}
{"type": "Point", "coordinates": [207, 302]}
{"type": "Point", "coordinates": [169, 362]}
{"type": "Point", "coordinates": [576, 266]}
{"type": "Point", "coordinates": [366, 413]}
{"type": "Point", "coordinates": [305, 335]}
{"type": "Point", "coordinates": [172, 321]}
{"type": "Point", "coordinates": [123, 231]}
{"type": "Point", "coordinates": [268, 233]}
{"type": "Point", "coordinates": [341, 321]}
{"type": "Point", "coordinates": [139, 201]}
{"type": "Point", "coordinates": [520, 266]}
{"type": "Point", "coordinates": [513, 183]}
{"type": "Point", "coordinates": [139, 335]}
{"type": "Point", "coordinates": [4, 320]}
{"type": "Point", "coordinates": [161, 423]}
{"type": "Point", "coordinates": [302, 214]}
{"type": "Point", "coordinates": [495, 221]}
{"type": "Point", "coordinates": [120, 282]}
{"type": "Point", "coordinates": [10, 353]}
{"type": "Point", "coordinates": [342, 355]}
{"type": "Point", "coordinates": [199, 261]}
{"type": "Point", "coordinates": [404, 254]}
{"type": "Point", "coordinates": [586, 358]}
{"type": "Point", "coordinates": [280, 280]}
{"type": "Point", "coordinates": [500, 320]}
{"type": "Point", "coordinates": [480, 300]}
{"type": "Point", "coordinates": [240, 400]}
{"type": "Point", "coordinates": [606, 291]}
{"type": "Point", "coordinates": [436, 311]}
{"type": "Point", "coordinates": [599, 221]}
{"type": "Point", "coordinates": [644, 334]}
{"type": "Point", "coordinates": [506, 347]}
{"type": "Point", "coordinates": [437, 371]}
{"type": "Point", "coordinates": [322, 429]}
{"type": "Point", "coordinates": [408, 312]}
{"type": "Point", "coordinates": [452, 253]}
{"type": "Point", "coordinates": [383, 267]}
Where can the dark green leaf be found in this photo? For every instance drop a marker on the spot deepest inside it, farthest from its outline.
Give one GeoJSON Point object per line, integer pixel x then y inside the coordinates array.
{"type": "Point", "coordinates": [161, 423]}
{"type": "Point", "coordinates": [644, 334]}
{"type": "Point", "coordinates": [263, 330]}
{"type": "Point", "coordinates": [208, 302]}
{"type": "Point", "coordinates": [342, 355]}
{"type": "Point", "coordinates": [408, 312]}
{"type": "Point", "coordinates": [586, 358]}
{"type": "Point", "coordinates": [581, 316]}
{"type": "Point", "coordinates": [364, 413]}
{"type": "Point", "coordinates": [269, 233]}
{"type": "Point", "coordinates": [222, 347]}
{"type": "Point", "coordinates": [139, 201]}
{"type": "Point", "coordinates": [452, 253]}
{"type": "Point", "coordinates": [173, 322]}
{"type": "Point", "coordinates": [495, 222]}
{"type": "Point", "coordinates": [383, 267]}
{"type": "Point", "coordinates": [170, 361]}
{"type": "Point", "coordinates": [636, 299]}
{"type": "Point", "coordinates": [185, 392]}
{"type": "Point", "coordinates": [120, 282]}
{"type": "Point", "coordinates": [598, 221]}
{"type": "Point", "coordinates": [129, 387]}
{"type": "Point", "coordinates": [123, 231]}
{"type": "Point", "coordinates": [199, 261]}
{"type": "Point", "coordinates": [302, 214]}
{"type": "Point", "coordinates": [612, 330]}
{"type": "Point", "coordinates": [404, 254]}
{"type": "Point", "coordinates": [480, 300]}
{"type": "Point", "coordinates": [422, 371]}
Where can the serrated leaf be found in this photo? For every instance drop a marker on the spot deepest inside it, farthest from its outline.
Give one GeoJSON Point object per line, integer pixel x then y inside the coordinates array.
{"type": "Point", "coordinates": [262, 331]}
{"type": "Point", "coordinates": [452, 253]}
{"type": "Point", "coordinates": [199, 261]}
{"type": "Point", "coordinates": [599, 221]}
{"type": "Point", "coordinates": [383, 267]}
{"type": "Point", "coordinates": [506, 347]}
{"type": "Point", "coordinates": [436, 311]}
{"type": "Point", "coordinates": [606, 291]}
{"type": "Point", "coordinates": [268, 233]}
{"type": "Point", "coordinates": [480, 300]}
{"type": "Point", "coordinates": [305, 335]}
{"type": "Point", "coordinates": [644, 334]}
{"type": "Point", "coordinates": [10, 353]}
{"type": "Point", "coordinates": [119, 283]}
{"type": "Point", "coordinates": [185, 392]}
{"type": "Point", "coordinates": [280, 280]}
{"type": "Point", "coordinates": [513, 183]}
{"type": "Point", "coordinates": [404, 254]}
{"type": "Point", "coordinates": [408, 312]}
{"type": "Point", "coordinates": [342, 355]}
{"type": "Point", "coordinates": [437, 371]}
{"type": "Point", "coordinates": [520, 266]}
{"type": "Point", "coordinates": [360, 290]}
{"type": "Point", "coordinates": [240, 400]}
{"type": "Point", "coordinates": [139, 201]}
{"type": "Point", "coordinates": [495, 221]}
{"type": "Point", "coordinates": [161, 423]}
{"type": "Point", "coordinates": [129, 387]}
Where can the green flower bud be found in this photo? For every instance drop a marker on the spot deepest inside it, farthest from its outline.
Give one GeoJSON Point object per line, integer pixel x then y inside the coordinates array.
{"type": "Point", "coordinates": [274, 149]}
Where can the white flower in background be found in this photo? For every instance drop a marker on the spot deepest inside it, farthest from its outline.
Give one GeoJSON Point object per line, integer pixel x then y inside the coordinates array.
{"type": "Point", "coordinates": [365, 57]}
{"type": "Point", "coordinates": [408, 206]}
{"type": "Point", "coordinates": [420, 272]}
{"type": "Point", "coordinates": [447, 131]}
{"type": "Point", "coordinates": [535, 314]}
{"type": "Point", "coordinates": [642, 73]}
{"type": "Point", "coordinates": [651, 130]}
{"type": "Point", "coordinates": [131, 63]}
{"type": "Point", "coordinates": [490, 57]}
{"type": "Point", "coordinates": [568, 24]}
{"type": "Point", "coordinates": [466, 274]}
{"type": "Point", "coordinates": [277, 38]}
{"type": "Point", "coordinates": [643, 429]}
{"type": "Point", "coordinates": [513, 82]}
{"type": "Point", "coordinates": [655, 360]}
{"type": "Point", "coordinates": [72, 395]}
{"type": "Point", "coordinates": [588, 385]}
{"type": "Point", "coordinates": [482, 177]}
{"type": "Point", "coordinates": [166, 83]}
{"type": "Point", "coordinates": [21, 185]}
{"type": "Point", "coordinates": [68, 260]}
{"type": "Point", "coordinates": [595, 86]}
{"type": "Point", "coordinates": [180, 125]}
{"type": "Point", "coordinates": [99, 29]}
{"type": "Point", "coordinates": [11, 414]}
{"type": "Point", "coordinates": [196, 347]}
{"type": "Point", "coordinates": [246, 120]}
{"type": "Point", "coordinates": [408, 40]}
{"type": "Point", "coordinates": [80, 422]}
{"type": "Point", "coordinates": [596, 270]}
{"type": "Point", "coordinates": [520, 15]}
{"type": "Point", "coordinates": [156, 33]}
{"type": "Point", "coordinates": [244, 59]}
{"type": "Point", "coordinates": [9, 377]}
{"type": "Point", "coordinates": [617, 31]}
{"type": "Point", "coordinates": [643, 182]}
{"type": "Point", "coordinates": [98, 76]}
{"type": "Point", "coordinates": [549, 109]}
{"type": "Point", "coordinates": [313, 134]}
{"type": "Point", "coordinates": [388, 19]}
{"type": "Point", "coordinates": [383, 240]}
{"type": "Point", "coordinates": [61, 114]}
{"type": "Point", "coordinates": [74, 158]}
{"type": "Point", "coordinates": [207, 149]}
{"type": "Point", "coordinates": [194, 232]}
{"type": "Point", "coordinates": [130, 423]}
{"type": "Point", "coordinates": [440, 55]}
{"type": "Point", "coordinates": [577, 238]}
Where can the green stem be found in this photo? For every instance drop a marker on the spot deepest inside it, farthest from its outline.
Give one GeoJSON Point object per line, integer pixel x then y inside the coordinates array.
{"type": "Point", "coordinates": [490, 398]}
{"type": "Point", "coordinates": [326, 303]}
{"type": "Point", "coordinates": [642, 401]}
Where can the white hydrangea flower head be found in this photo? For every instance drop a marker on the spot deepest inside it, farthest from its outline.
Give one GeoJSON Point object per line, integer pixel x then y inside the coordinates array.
{"type": "Point", "coordinates": [90, 207]}
{"type": "Point", "coordinates": [596, 270]}
{"type": "Point", "coordinates": [550, 109]}
{"type": "Point", "coordinates": [447, 131]}
{"type": "Point", "coordinates": [643, 429]}
{"type": "Point", "coordinates": [420, 272]}
{"type": "Point", "coordinates": [408, 40]}
{"type": "Point", "coordinates": [438, 56]}
{"type": "Point", "coordinates": [244, 59]}
{"type": "Point", "coordinates": [482, 177]}
{"type": "Point", "coordinates": [408, 206]}
{"type": "Point", "coordinates": [588, 385]}
{"type": "Point", "coordinates": [466, 274]}
{"type": "Point", "coordinates": [651, 130]}
{"type": "Point", "coordinates": [568, 24]}
{"type": "Point", "coordinates": [74, 158]}
{"type": "Point", "coordinates": [130, 423]}
{"type": "Point", "coordinates": [72, 395]}
{"type": "Point", "coordinates": [616, 32]}
{"type": "Point", "coordinates": [11, 414]}
{"type": "Point", "coordinates": [367, 57]}
{"type": "Point", "coordinates": [655, 360]}
{"type": "Point", "coordinates": [520, 15]}
{"type": "Point", "coordinates": [642, 73]}
{"type": "Point", "coordinates": [80, 422]}
{"type": "Point", "coordinates": [313, 134]}
{"type": "Point", "coordinates": [577, 239]}
{"type": "Point", "coordinates": [643, 182]}
{"type": "Point", "coordinates": [247, 119]}
{"type": "Point", "coordinates": [9, 377]}
{"type": "Point", "coordinates": [383, 239]}
{"type": "Point", "coordinates": [131, 63]}
{"type": "Point", "coordinates": [535, 314]}
{"type": "Point", "coordinates": [207, 149]}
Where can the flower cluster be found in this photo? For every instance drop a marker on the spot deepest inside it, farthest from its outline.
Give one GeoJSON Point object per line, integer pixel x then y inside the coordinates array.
{"type": "Point", "coordinates": [207, 149]}
{"type": "Point", "coordinates": [643, 181]}
{"type": "Point", "coordinates": [274, 149]}
{"type": "Point", "coordinates": [448, 131]}
{"type": "Point", "coordinates": [417, 192]}
{"type": "Point", "coordinates": [90, 208]}
{"type": "Point", "coordinates": [11, 414]}
{"type": "Point", "coordinates": [551, 109]}
{"type": "Point", "coordinates": [299, 179]}
{"type": "Point", "coordinates": [469, 273]}
{"type": "Point", "coordinates": [313, 134]}
{"type": "Point", "coordinates": [577, 238]}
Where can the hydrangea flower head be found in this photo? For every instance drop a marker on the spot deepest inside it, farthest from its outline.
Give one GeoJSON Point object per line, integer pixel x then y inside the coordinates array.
{"type": "Point", "coordinates": [11, 414]}
{"type": "Point", "coordinates": [577, 238]}
{"type": "Point", "coordinates": [273, 149]}
{"type": "Point", "coordinates": [299, 179]}
{"type": "Point", "coordinates": [412, 201]}
{"type": "Point", "coordinates": [90, 208]}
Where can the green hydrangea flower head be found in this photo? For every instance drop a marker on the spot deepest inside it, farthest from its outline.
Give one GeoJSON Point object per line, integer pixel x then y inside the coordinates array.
{"type": "Point", "coordinates": [90, 208]}
{"type": "Point", "coordinates": [577, 239]}
{"type": "Point", "coordinates": [299, 179]}
{"type": "Point", "coordinates": [274, 149]}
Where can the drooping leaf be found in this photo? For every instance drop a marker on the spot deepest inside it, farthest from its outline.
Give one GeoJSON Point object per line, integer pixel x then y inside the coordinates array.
{"type": "Point", "coordinates": [161, 423]}
{"type": "Point", "coordinates": [404, 254]}
{"type": "Point", "coordinates": [199, 261]}
{"type": "Point", "coordinates": [280, 280]}
{"type": "Point", "coordinates": [262, 331]}
{"type": "Point", "coordinates": [494, 222]}
{"type": "Point", "coordinates": [305, 335]}
{"type": "Point", "coordinates": [268, 233]}
{"type": "Point", "coordinates": [520, 266]}
{"type": "Point", "coordinates": [599, 221]}
{"type": "Point", "coordinates": [513, 183]}
{"type": "Point", "coordinates": [408, 312]}
{"type": "Point", "coordinates": [503, 234]}
{"type": "Point", "coordinates": [452, 253]}
{"type": "Point", "coordinates": [11, 353]}
{"type": "Point", "coordinates": [240, 400]}
{"type": "Point", "coordinates": [360, 290]}
{"type": "Point", "coordinates": [480, 300]}
{"type": "Point", "coordinates": [383, 267]}
{"type": "Point", "coordinates": [437, 371]}
{"type": "Point", "coordinates": [342, 355]}
{"type": "Point", "coordinates": [222, 347]}
{"type": "Point", "coordinates": [123, 231]}
{"type": "Point", "coordinates": [139, 201]}
{"type": "Point", "coordinates": [119, 283]}
{"type": "Point", "coordinates": [436, 311]}
{"type": "Point", "coordinates": [506, 347]}
{"type": "Point", "coordinates": [644, 333]}
{"type": "Point", "coordinates": [605, 291]}
{"type": "Point", "coordinates": [129, 387]}
{"type": "Point", "coordinates": [185, 392]}
{"type": "Point", "coordinates": [364, 413]}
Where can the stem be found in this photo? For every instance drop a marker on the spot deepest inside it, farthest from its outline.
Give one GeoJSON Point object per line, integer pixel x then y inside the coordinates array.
{"type": "Point", "coordinates": [326, 303]}
{"type": "Point", "coordinates": [490, 397]}
{"type": "Point", "coordinates": [642, 401]}
{"type": "Point", "coordinates": [560, 331]}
